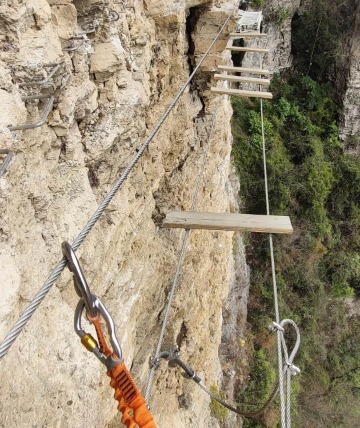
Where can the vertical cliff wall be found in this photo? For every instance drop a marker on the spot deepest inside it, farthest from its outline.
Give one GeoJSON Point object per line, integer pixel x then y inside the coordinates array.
{"type": "Point", "coordinates": [120, 65]}
{"type": "Point", "coordinates": [349, 130]}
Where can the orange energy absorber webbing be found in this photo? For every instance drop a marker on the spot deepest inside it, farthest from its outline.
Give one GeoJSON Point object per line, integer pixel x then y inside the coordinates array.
{"type": "Point", "coordinates": [130, 398]}
{"type": "Point", "coordinates": [126, 392]}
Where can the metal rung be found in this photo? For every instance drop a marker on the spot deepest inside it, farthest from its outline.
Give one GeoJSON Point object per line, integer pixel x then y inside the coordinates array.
{"type": "Point", "coordinates": [9, 155]}
{"type": "Point", "coordinates": [74, 47]}
{"type": "Point", "coordinates": [55, 68]}
{"type": "Point", "coordinates": [40, 122]}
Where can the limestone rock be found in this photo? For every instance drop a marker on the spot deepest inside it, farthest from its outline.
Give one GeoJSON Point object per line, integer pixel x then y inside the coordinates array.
{"type": "Point", "coordinates": [108, 98]}
{"type": "Point", "coordinates": [38, 44]}
{"type": "Point", "coordinates": [107, 57]}
{"type": "Point", "coordinates": [349, 129]}
{"type": "Point", "coordinates": [79, 98]}
{"type": "Point", "coordinates": [12, 110]}
{"type": "Point", "coordinates": [64, 17]}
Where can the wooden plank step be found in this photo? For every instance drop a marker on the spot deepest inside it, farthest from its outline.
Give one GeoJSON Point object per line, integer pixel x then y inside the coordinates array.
{"type": "Point", "coordinates": [247, 49]}
{"type": "Point", "coordinates": [244, 70]}
{"type": "Point", "coordinates": [242, 93]}
{"type": "Point", "coordinates": [228, 221]}
{"type": "Point", "coordinates": [242, 79]}
{"type": "Point", "coordinates": [248, 35]}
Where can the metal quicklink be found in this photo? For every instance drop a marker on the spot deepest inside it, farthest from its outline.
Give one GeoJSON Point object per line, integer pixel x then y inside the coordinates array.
{"type": "Point", "coordinates": [90, 343]}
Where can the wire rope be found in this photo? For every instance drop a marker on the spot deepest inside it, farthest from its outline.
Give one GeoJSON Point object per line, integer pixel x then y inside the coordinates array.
{"type": "Point", "coordinates": [179, 263]}
{"type": "Point", "coordinates": [285, 402]}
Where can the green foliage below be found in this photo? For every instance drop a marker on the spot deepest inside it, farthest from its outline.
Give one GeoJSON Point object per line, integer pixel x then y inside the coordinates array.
{"type": "Point", "coordinates": [257, 4]}
{"type": "Point", "coordinates": [260, 386]}
{"type": "Point", "coordinates": [262, 379]}
{"type": "Point", "coordinates": [216, 409]}
{"type": "Point", "coordinates": [314, 181]}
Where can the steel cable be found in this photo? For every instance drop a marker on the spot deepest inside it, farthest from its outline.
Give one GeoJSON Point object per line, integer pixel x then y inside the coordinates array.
{"type": "Point", "coordinates": [54, 275]}
{"type": "Point", "coordinates": [285, 403]}
{"type": "Point", "coordinates": [179, 262]}
{"type": "Point", "coordinates": [286, 370]}
{"type": "Point", "coordinates": [235, 409]}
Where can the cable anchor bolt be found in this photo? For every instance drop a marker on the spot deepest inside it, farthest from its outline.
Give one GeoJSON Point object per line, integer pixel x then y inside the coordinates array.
{"type": "Point", "coordinates": [173, 356]}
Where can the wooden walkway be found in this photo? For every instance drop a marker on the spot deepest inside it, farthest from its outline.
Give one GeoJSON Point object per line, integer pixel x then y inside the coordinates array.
{"type": "Point", "coordinates": [243, 79]}
{"type": "Point", "coordinates": [244, 69]}
{"type": "Point", "coordinates": [242, 93]}
{"type": "Point", "coordinates": [250, 35]}
{"type": "Point", "coordinates": [228, 221]}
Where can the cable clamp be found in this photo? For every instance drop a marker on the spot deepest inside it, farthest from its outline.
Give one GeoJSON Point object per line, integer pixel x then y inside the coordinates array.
{"type": "Point", "coordinates": [154, 362]}
{"type": "Point", "coordinates": [275, 326]}
{"type": "Point", "coordinates": [294, 370]}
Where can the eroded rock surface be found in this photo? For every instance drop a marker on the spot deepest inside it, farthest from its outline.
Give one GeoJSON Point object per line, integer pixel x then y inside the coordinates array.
{"type": "Point", "coordinates": [116, 78]}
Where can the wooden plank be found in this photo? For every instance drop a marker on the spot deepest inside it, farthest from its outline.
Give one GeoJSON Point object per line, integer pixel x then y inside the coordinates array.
{"type": "Point", "coordinates": [244, 70]}
{"type": "Point", "coordinates": [228, 221]}
{"type": "Point", "coordinates": [248, 35]}
{"type": "Point", "coordinates": [241, 79]}
{"type": "Point", "coordinates": [247, 49]}
{"type": "Point", "coordinates": [242, 93]}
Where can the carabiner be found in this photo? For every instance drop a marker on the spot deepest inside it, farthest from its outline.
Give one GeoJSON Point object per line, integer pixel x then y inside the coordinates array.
{"type": "Point", "coordinates": [81, 286]}
{"type": "Point", "coordinates": [89, 342]}
{"type": "Point", "coordinates": [94, 309]}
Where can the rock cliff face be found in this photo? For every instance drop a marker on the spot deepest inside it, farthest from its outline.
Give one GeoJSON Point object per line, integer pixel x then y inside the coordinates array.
{"type": "Point", "coordinates": [349, 130]}
{"type": "Point", "coordinates": [120, 65]}
{"type": "Point", "coordinates": [277, 24]}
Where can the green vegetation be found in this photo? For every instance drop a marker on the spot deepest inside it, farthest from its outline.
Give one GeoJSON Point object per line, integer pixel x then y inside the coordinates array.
{"type": "Point", "coordinates": [314, 181]}
{"type": "Point", "coordinates": [216, 409]}
{"type": "Point", "coordinates": [257, 4]}
{"type": "Point", "coordinates": [262, 381]}
{"type": "Point", "coordinates": [281, 14]}
{"type": "Point", "coordinates": [317, 40]}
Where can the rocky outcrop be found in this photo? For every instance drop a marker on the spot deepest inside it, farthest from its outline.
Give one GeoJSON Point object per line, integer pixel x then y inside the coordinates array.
{"type": "Point", "coordinates": [350, 115]}
{"type": "Point", "coordinates": [120, 65]}
{"type": "Point", "coordinates": [277, 24]}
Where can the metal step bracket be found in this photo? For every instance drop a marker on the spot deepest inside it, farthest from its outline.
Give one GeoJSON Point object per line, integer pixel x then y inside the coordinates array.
{"type": "Point", "coordinates": [75, 43]}
{"type": "Point", "coordinates": [9, 155]}
{"type": "Point", "coordinates": [47, 110]}
{"type": "Point", "coordinates": [46, 82]}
